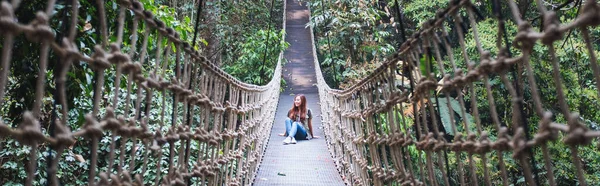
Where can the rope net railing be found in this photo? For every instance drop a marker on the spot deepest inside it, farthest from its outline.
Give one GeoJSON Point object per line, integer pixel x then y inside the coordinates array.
{"type": "Point", "coordinates": [386, 129]}
{"type": "Point", "coordinates": [219, 125]}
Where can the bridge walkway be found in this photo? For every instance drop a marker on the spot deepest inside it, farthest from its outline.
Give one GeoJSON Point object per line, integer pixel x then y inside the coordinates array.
{"type": "Point", "coordinates": [307, 162]}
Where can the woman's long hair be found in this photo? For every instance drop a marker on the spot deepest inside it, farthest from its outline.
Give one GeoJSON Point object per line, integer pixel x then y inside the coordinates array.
{"type": "Point", "coordinates": [300, 110]}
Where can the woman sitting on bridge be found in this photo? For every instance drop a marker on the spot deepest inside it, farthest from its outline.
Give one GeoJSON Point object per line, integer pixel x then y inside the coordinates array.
{"type": "Point", "coordinates": [295, 125]}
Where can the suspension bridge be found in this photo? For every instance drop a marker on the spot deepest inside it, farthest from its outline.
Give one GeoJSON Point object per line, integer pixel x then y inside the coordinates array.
{"type": "Point", "coordinates": [224, 132]}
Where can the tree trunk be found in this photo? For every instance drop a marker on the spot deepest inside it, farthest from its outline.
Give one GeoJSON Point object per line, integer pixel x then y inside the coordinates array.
{"type": "Point", "coordinates": [211, 15]}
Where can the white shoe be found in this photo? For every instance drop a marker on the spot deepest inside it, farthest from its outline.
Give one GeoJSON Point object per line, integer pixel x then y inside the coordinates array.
{"type": "Point", "coordinates": [287, 140]}
{"type": "Point", "coordinates": [293, 140]}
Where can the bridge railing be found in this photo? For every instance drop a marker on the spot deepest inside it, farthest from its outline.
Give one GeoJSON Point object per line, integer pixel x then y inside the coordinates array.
{"type": "Point", "coordinates": [219, 125]}
{"type": "Point", "coordinates": [387, 129]}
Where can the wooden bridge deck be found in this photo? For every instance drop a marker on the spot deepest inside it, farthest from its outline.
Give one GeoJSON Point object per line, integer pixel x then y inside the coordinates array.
{"type": "Point", "coordinates": [307, 162]}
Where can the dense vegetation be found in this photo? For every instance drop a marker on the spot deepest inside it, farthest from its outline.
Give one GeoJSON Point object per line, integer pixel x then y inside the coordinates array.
{"type": "Point", "coordinates": [355, 36]}
{"type": "Point", "coordinates": [233, 35]}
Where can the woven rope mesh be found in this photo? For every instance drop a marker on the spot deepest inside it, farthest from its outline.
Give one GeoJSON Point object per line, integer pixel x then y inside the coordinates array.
{"type": "Point", "coordinates": [386, 129]}
{"type": "Point", "coordinates": [215, 134]}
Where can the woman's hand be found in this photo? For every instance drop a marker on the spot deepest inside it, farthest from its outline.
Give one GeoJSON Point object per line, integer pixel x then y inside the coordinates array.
{"type": "Point", "coordinates": [281, 134]}
{"type": "Point", "coordinates": [316, 137]}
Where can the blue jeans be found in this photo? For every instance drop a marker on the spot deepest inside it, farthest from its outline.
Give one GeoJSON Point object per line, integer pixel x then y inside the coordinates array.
{"type": "Point", "coordinates": [295, 129]}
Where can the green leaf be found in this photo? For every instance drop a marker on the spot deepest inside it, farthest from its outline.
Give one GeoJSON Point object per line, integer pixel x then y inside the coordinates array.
{"type": "Point", "coordinates": [445, 115]}
{"type": "Point", "coordinates": [456, 107]}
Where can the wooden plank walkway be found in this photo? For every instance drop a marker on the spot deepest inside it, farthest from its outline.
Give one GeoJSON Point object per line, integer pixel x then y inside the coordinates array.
{"type": "Point", "coordinates": [308, 162]}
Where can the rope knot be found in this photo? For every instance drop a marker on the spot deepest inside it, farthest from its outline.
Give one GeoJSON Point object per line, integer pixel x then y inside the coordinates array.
{"type": "Point", "coordinates": [144, 129]}
{"type": "Point", "coordinates": [135, 131]}
{"type": "Point", "coordinates": [117, 57]}
{"type": "Point", "coordinates": [63, 135]}
{"type": "Point", "coordinates": [137, 5]}
{"type": "Point", "coordinates": [70, 49]}
{"type": "Point", "coordinates": [164, 84]}
{"type": "Point", "coordinates": [440, 144]}
{"type": "Point", "coordinates": [380, 139]}
{"type": "Point", "coordinates": [458, 141]}
{"type": "Point", "coordinates": [421, 143]}
{"type": "Point", "coordinates": [430, 141]}
{"type": "Point", "coordinates": [222, 161]}
{"type": "Point", "coordinates": [501, 143]}
{"type": "Point", "coordinates": [184, 132]}
{"type": "Point", "coordinates": [172, 136]}
{"type": "Point", "coordinates": [112, 123]}
{"type": "Point", "coordinates": [546, 133]}
{"type": "Point", "coordinates": [132, 67]}
{"type": "Point", "coordinates": [213, 142]}
{"type": "Point", "coordinates": [159, 139]}
{"type": "Point", "coordinates": [458, 80]}
{"type": "Point", "coordinates": [551, 29]}
{"type": "Point", "coordinates": [174, 36]}
{"type": "Point", "coordinates": [100, 60]}
{"type": "Point", "coordinates": [174, 86]}
{"type": "Point", "coordinates": [501, 63]}
{"type": "Point", "coordinates": [142, 81]}
{"type": "Point", "coordinates": [8, 23]}
{"type": "Point", "coordinates": [41, 31]}
{"type": "Point", "coordinates": [472, 75]}
{"type": "Point", "coordinates": [590, 14]}
{"type": "Point", "coordinates": [153, 82]}
{"type": "Point", "coordinates": [469, 144]}
{"type": "Point", "coordinates": [447, 83]}
{"type": "Point", "coordinates": [519, 143]}
{"type": "Point", "coordinates": [160, 26]}
{"type": "Point", "coordinates": [187, 47]}
{"type": "Point", "coordinates": [371, 138]}
{"type": "Point", "coordinates": [149, 17]}
{"type": "Point", "coordinates": [486, 63]}
{"type": "Point", "coordinates": [523, 39]}
{"type": "Point", "coordinates": [483, 145]}
{"type": "Point", "coordinates": [397, 138]}
{"type": "Point", "coordinates": [92, 127]}
{"type": "Point", "coordinates": [407, 141]}
{"type": "Point", "coordinates": [30, 132]}
{"type": "Point", "coordinates": [227, 134]}
{"type": "Point", "coordinates": [576, 135]}
{"type": "Point", "coordinates": [358, 140]}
